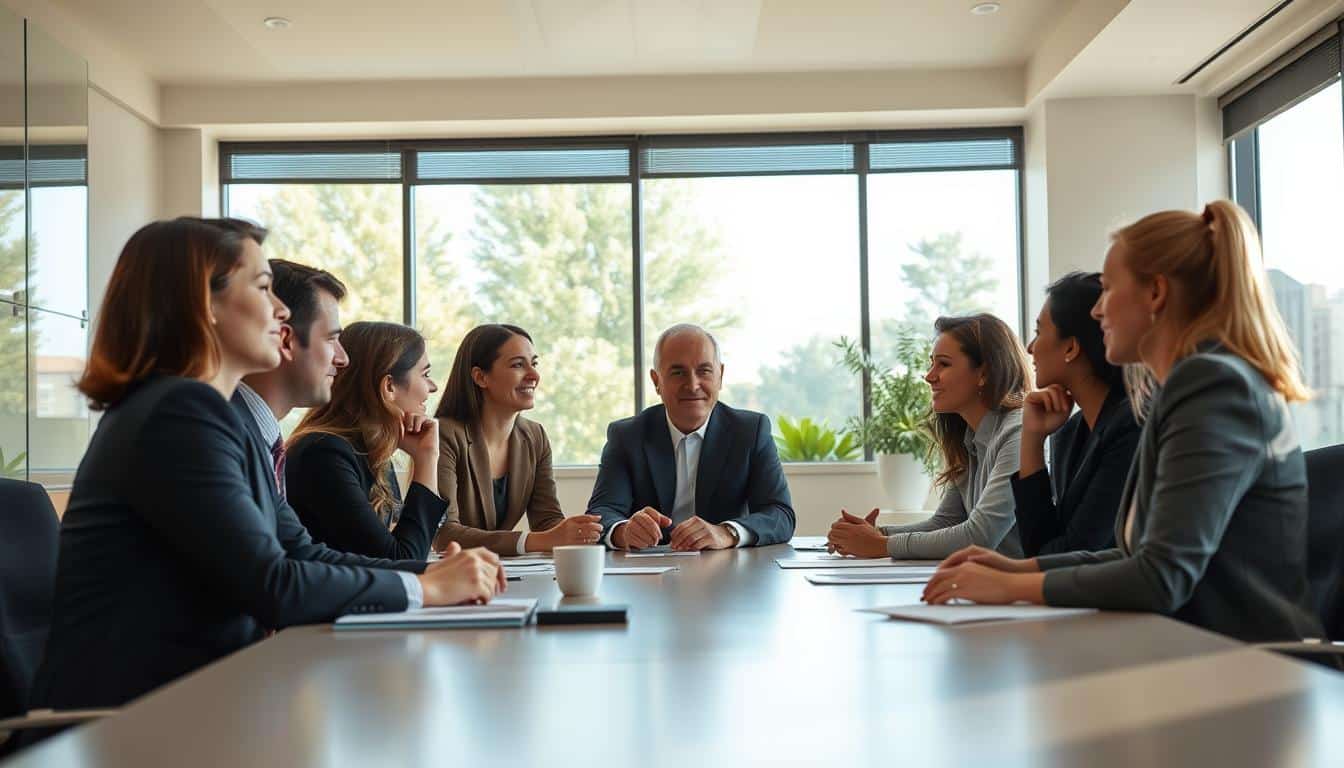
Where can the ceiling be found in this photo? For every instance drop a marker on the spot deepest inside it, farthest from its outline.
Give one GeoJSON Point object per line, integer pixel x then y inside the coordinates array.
{"type": "Point", "coordinates": [220, 41]}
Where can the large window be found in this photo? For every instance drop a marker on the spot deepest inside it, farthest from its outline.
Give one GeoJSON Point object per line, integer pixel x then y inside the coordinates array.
{"type": "Point", "coordinates": [1289, 173]}
{"type": "Point", "coordinates": [595, 246]}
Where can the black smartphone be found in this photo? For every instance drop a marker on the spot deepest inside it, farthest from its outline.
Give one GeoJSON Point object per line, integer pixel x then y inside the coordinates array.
{"type": "Point", "coordinates": [582, 614]}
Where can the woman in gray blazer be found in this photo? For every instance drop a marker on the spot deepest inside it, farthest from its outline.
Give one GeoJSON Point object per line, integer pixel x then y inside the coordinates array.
{"type": "Point", "coordinates": [978, 375]}
{"type": "Point", "coordinates": [1212, 523]}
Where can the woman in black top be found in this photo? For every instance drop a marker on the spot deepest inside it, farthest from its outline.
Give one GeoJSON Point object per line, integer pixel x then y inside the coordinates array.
{"type": "Point", "coordinates": [173, 552]}
{"type": "Point", "coordinates": [1072, 505]}
{"type": "Point", "coordinates": [338, 470]}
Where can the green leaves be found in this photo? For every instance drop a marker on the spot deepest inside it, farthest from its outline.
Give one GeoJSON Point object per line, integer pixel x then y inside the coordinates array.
{"type": "Point", "coordinates": [806, 440]}
{"type": "Point", "coordinates": [13, 468]}
{"type": "Point", "coordinates": [901, 401]}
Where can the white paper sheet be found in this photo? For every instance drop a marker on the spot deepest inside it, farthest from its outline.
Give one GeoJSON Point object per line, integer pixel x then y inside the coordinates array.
{"type": "Point", "coordinates": [634, 570]}
{"type": "Point", "coordinates": [808, 543]}
{"type": "Point", "coordinates": [835, 561]}
{"type": "Point", "coordinates": [974, 614]}
{"type": "Point", "coordinates": [872, 576]}
{"type": "Point", "coordinates": [500, 612]}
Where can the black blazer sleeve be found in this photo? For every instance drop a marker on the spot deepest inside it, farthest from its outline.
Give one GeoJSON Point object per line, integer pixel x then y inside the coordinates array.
{"type": "Point", "coordinates": [1089, 524]}
{"type": "Point", "coordinates": [194, 498]}
{"type": "Point", "coordinates": [613, 494]}
{"type": "Point", "coordinates": [328, 485]}
{"type": "Point", "coordinates": [300, 546]}
{"type": "Point", "coordinates": [769, 506]}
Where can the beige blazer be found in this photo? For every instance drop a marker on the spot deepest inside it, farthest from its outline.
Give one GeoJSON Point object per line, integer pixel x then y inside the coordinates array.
{"type": "Point", "coordinates": [465, 483]}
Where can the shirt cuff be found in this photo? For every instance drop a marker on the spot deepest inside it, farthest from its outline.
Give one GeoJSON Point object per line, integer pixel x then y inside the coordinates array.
{"type": "Point", "coordinates": [522, 543]}
{"type": "Point", "coordinates": [745, 538]}
{"type": "Point", "coordinates": [415, 594]}
{"type": "Point", "coordinates": [611, 531]}
{"type": "Point", "coordinates": [898, 545]}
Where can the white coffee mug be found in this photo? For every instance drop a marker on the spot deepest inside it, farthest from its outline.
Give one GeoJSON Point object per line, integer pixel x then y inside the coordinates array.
{"type": "Point", "coordinates": [578, 568]}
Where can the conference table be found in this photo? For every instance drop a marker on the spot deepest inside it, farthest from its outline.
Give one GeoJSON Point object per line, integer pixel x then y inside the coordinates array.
{"type": "Point", "coordinates": [731, 661]}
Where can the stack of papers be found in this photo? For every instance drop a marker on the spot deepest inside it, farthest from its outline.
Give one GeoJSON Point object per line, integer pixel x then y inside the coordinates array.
{"type": "Point", "coordinates": [974, 614]}
{"type": "Point", "coordinates": [814, 560]}
{"type": "Point", "coordinates": [808, 543]}
{"type": "Point", "coordinates": [662, 551]}
{"type": "Point", "coordinates": [912, 575]}
{"type": "Point", "coordinates": [525, 568]}
{"type": "Point", "coordinates": [501, 612]}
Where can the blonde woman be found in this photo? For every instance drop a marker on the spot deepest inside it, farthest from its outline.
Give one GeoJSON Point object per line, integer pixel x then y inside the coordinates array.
{"type": "Point", "coordinates": [1212, 524]}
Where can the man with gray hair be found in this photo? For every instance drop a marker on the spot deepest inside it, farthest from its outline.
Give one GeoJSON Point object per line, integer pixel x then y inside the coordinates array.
{"type": "Point", "coordinates": [691, 473]}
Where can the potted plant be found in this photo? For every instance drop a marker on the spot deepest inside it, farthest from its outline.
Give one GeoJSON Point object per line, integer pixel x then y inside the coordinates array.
{"type": "Point", "coordinates": [806, 440]}
{"type": "Point", "coordinates": [897, 430]}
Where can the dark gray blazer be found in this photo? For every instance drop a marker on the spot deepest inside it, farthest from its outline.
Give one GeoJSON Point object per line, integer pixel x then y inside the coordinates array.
{"type": "Point", "coordinates": [739, 476]}
{"type": "Point", "coordinates": [1218, 495]}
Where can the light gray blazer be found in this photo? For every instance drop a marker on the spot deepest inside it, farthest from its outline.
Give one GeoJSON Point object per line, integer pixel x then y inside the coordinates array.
{"type": "Point", "coordinates": [1218, 499]}
{"type": "Point", "coordinates": [976, 509]}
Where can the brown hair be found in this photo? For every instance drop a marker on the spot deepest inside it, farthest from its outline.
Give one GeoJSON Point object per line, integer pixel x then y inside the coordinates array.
{"type": "Point", "coordinates": [357, 411]}
{"type": "Point", "coordinates": [1214, 259]}
{"type": "Point", "coordinates": [155, 316]}
{"type": "Point", "coordinates": [462, 399]}
{"type": "Point", "coordinates": [297, 286]}
{"type": "Point", "coordinates": [992, 347]}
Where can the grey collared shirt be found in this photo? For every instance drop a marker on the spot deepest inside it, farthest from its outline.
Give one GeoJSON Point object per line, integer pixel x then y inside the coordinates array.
{"type": "Point", "coordinates": [977, 508]}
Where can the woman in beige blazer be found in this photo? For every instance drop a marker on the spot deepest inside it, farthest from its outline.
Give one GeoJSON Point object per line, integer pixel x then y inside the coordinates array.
{"type": "Point", "coordinates": [495, 465]}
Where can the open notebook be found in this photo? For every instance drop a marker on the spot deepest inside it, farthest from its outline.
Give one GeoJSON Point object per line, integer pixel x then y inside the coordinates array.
{"type": "Point", "coordinates": [501, 612]}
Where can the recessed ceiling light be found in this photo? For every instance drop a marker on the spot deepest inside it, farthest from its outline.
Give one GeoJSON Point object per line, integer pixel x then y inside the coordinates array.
{"type": "Point", "coordinates": [984, 9]}
{"type": "Point", "coordinates": [275, 22]}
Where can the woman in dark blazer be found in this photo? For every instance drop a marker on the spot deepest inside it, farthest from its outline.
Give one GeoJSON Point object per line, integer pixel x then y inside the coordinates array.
{"type": "Point", "coordinates": [1072, 505]}
{"type": "Point", "coordinates": [339, 474]}
{"type": "Point", "coordinates": [171, 551]}
{"type": "Point", "coordinates": [1212, 524]}
{"type": "Point", "coordinates": [495, 465]}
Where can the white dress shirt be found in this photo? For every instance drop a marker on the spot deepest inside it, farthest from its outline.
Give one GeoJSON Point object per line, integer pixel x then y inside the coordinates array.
{"type": "Point", "coordinates": [686, 448]}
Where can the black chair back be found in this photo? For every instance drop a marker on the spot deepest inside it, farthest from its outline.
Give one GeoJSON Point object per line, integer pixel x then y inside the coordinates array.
{"type": "Point", "coordinates": [1325, 536]}
{"type": "Point", "coordinates": [28, 546]}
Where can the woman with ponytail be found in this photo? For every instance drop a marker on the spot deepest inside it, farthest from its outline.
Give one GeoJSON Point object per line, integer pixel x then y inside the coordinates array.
{"type": "Point", "coordinates": [1212, 523]}
{"type": "Point", "coordinates": [339, 466]}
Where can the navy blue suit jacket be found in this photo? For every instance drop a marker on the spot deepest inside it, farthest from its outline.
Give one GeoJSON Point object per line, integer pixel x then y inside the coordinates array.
{"type": "Point", "coordinates": [739, 477]}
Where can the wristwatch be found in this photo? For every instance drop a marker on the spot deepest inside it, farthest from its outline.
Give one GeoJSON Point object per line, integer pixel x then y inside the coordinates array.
{"type": "Point", "coordinates": [732, 531]}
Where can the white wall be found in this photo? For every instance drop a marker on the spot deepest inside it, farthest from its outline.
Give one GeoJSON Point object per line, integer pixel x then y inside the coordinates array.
{"type": "Point", "coordinates": [1110, 161]}
{"type": "Point", "coordinates": [123, 185]}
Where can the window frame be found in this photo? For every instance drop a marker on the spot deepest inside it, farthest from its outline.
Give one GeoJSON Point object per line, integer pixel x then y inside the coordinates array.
{"type": "Point", "coordinates": [859, 141]}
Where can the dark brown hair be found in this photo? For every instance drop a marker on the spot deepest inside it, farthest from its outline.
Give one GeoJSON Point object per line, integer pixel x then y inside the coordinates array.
{"type": "Point", "coordinates": [995, 350]}
{"type": "Point", "coordinates": [155, 316]}
{"type": "Point", "coordinates": [462, 399]}
{"type": "Point", "coordinates": [297, 286]}
{"type": "Point", "coordinates": [357, 411]}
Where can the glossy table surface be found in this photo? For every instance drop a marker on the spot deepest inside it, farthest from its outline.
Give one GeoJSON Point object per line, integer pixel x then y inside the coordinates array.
{"type": "Point", "coordinates": [730, 661]}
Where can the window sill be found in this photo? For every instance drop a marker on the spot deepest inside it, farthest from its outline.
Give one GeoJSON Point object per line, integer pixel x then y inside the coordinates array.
{"type": "Point", "coordinates": [791, 469]}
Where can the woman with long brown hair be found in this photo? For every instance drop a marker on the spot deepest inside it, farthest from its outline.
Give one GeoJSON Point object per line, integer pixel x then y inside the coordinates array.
{"type": "Point", "coordinates": [1212, 525]}
{"type": "Point", "coordinates": [978, 375]}
{"type": "Point", "coordinates": [172, 553]}
{"type": "Point", "coordinates": [494, 464]}
{"type": "Point", "coordinates": [339, 471]}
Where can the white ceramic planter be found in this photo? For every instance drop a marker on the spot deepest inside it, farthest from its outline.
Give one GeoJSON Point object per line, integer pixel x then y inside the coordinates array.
{"type": "Point", "coordinates": [903, 481]}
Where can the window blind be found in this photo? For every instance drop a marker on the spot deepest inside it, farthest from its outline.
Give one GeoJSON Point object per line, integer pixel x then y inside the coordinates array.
{"type": "Point", "coordinates": [932, 155]}
{"type": "Point", "coordinates": [516, 164]}
{"type": "Point", "coordinates": [243, 166]}
{"type": "Point", "coordinates": [746, 160]}
{"type": "Point", "coordinates": [1282, 84]}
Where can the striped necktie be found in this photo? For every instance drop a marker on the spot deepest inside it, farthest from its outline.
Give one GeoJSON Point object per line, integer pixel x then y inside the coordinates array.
{"type": "Point", "coordinates": [278, 458]}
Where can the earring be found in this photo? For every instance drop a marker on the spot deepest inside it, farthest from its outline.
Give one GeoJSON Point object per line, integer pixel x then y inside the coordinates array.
{"type": "Point", "coordinates": [1068, 359]}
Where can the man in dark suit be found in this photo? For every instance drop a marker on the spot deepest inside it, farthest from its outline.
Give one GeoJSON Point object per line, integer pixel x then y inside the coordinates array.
{"type": "Point", "coordinates": [310, 357]}
{"type": "Point", "coordinates": [692, 473]}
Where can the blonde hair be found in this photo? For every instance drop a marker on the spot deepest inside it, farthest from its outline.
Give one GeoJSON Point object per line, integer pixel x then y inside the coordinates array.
{"type": "Point", "coordinates": [1214, 258]}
